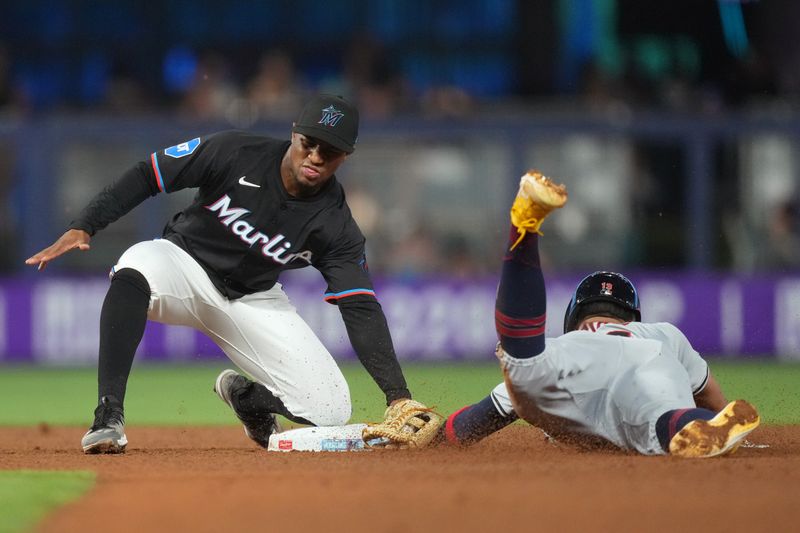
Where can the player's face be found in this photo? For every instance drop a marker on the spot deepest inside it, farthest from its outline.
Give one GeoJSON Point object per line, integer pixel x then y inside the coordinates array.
{"type": "Point", "coordinates": [309, 164]}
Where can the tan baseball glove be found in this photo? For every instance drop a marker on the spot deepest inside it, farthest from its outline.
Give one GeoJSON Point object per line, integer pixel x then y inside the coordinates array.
{"type": "Point", "coordinates": [406, 424]}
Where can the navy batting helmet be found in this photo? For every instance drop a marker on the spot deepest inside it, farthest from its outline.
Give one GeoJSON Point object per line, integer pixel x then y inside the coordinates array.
{"type": "Point", "coordinates": [602, 287]}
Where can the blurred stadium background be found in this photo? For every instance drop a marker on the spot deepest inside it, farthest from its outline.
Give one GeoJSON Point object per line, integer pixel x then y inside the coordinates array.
{"type": "Point", "coordinates": [675, 126]}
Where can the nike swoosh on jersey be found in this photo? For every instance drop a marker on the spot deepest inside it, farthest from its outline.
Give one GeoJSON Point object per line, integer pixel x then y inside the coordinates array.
{"type": "Point", "coordinates": [243, 181]}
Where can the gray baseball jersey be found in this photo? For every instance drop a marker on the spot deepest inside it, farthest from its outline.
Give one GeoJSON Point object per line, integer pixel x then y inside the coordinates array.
{"type": "Point", "coordinates": [607, 382]}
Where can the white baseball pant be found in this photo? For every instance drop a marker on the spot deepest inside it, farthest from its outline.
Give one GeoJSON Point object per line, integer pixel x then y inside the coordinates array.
{"type": "Point", "coordinates": [261, 333]}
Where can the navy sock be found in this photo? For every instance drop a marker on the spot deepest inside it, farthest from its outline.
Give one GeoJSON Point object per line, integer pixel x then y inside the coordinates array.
{"type": "Point", "coordinates": [122, 322]}
{"type": "Point", "coordinates": [521, 300]}
{"type": "Point", "coordinates": [474, 422]}
{"type": "Point", "coordinates": [673, 421]}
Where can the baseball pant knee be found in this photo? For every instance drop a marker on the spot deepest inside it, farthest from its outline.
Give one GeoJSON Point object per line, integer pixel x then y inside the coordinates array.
{"type": "Point", "coordinates": [335, 411]}
{"type": "Point", "coordinates": [133, 278]}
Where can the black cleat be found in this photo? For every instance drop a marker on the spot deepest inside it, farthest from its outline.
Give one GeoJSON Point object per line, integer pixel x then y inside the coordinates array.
{"type": "Point", "coordinates": [226, 385]}
{"type": "Point", "coordinates": [107, 434]}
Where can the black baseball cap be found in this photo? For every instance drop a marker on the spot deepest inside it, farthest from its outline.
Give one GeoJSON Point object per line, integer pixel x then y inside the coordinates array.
{"type": "Point", "coordinates": [331, 119]}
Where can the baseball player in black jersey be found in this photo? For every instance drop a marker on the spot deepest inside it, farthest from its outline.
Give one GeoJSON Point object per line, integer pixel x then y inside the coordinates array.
{"type": "Point", "coordinates": [262, 206]}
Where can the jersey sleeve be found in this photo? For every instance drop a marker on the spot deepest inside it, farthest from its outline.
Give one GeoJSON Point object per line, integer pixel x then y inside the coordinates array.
{"type": "Point", "coordinates": [188, 164]}
{"type": "Point", "coordinates": [695, 365]}
{"type": "Point", "coordinates": [192, 163]}
{"type": "Point", "coordinates": [501, 400]}
{"type": "Point", "coordinates": [345, 268]}
{"type": "Point", "coordinates": [115, 200]}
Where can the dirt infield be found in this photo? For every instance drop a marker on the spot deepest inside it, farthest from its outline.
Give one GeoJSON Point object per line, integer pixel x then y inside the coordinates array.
{"type": "Point", "coordinates": [215, 479]}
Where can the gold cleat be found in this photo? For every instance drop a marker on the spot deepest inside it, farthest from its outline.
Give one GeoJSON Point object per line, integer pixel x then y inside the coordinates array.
{"type": "Point", "coordinates": [537, 196]}
{"type": "Point", "coordinates": [719, 436]}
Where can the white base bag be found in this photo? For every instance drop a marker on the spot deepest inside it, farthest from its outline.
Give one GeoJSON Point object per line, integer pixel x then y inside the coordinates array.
{"type": "Point", "coordinates": [319, 439]}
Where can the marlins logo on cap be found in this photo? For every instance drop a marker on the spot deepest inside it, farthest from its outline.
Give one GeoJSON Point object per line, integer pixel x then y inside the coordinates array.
{"type": "Point", "coordinates": [330, 119]}
{"type": "Point", "coordinates": [330, 116]}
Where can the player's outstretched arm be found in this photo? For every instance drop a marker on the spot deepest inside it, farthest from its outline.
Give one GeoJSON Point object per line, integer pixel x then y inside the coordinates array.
{"type": "Point", "coordinates": [475, 422]}
{"type": "Point", "coordinates": [71, 240]}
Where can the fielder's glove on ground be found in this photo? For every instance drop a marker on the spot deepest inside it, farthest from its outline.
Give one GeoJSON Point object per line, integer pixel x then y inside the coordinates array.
{"type": "Point", "coordinates": [406, 424]}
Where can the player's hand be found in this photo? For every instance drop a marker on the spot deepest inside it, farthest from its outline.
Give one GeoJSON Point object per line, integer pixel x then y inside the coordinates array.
{"type": "Point", "coordinates": [71, 240]}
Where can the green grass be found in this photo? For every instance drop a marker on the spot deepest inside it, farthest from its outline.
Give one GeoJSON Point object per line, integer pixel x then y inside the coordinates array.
{"type": "Point", "coordinates": [32, 494]}
{"type": "Point", "coordinates": [181, 394]}
{"type": "Point", "coordinates": [774, 388]}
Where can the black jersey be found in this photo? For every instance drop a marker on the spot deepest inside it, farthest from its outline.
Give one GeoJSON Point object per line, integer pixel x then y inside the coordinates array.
{"type": "Point", "coordinates": [244, 229]}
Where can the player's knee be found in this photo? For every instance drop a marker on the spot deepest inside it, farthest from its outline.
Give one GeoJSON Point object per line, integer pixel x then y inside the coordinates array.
{"type": "Point", "coordinates": [133, 278]}
{"type": "Point", "coordinates": [335, 411]}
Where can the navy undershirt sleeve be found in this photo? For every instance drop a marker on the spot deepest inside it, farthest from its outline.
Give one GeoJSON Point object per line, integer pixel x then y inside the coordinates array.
{"type": "Point", "coordinates": [369, 335]}
{"type": "Point", "coordinates": [116, 200]}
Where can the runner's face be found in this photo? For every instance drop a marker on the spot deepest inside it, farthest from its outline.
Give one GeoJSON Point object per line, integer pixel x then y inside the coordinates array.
{"type": "Point", "coordinates": [311, 163]}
